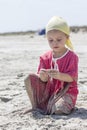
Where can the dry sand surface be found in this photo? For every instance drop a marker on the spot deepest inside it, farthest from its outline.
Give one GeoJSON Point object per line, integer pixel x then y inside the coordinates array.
{"type": "Point", "coordinates": [19, 55]}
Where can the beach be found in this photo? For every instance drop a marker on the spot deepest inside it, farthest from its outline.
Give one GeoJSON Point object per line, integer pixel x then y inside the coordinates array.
{"type": "Point", "coordinates": [19, 55]}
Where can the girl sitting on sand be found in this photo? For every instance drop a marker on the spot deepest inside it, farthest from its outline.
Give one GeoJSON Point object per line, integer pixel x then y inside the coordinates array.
{"type": "Point", "coordinates": [53, 90]}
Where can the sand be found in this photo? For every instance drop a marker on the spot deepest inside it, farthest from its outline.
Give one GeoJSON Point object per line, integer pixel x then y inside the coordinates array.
{"type": "Point", "coordinates": [19, 55]}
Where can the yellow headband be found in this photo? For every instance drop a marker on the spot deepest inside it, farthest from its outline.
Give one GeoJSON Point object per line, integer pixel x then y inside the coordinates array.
{"type": "Point", "coordinates": [58, 23]}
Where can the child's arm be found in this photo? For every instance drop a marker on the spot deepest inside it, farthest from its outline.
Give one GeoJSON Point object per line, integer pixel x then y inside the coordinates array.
{"type": "Point", "coordinates": [60, 76]}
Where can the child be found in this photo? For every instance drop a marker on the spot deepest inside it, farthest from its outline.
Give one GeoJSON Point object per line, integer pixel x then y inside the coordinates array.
{"type": "Point", "coordinates": [53, 90]}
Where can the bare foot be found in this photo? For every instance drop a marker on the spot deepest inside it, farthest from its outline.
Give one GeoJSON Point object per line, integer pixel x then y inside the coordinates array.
{"type": "Point", "coordinates": [32, 110]}
{"type": "Point", "coordinates": [28, 110]}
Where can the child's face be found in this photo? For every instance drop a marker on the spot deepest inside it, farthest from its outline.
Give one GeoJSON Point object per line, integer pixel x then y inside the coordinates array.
{"type": "Point", "coordinates": [57, 40]}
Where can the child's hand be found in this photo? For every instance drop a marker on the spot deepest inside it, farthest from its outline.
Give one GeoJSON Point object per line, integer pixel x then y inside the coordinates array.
{"type": "Point", "coordinates": [53, 73]}
{"type": "Point", "coordinates": [43, 75]}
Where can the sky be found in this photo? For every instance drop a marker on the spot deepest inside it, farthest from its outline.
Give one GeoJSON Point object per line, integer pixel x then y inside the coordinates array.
{"type": "Point", "coordinates": [25, 15]}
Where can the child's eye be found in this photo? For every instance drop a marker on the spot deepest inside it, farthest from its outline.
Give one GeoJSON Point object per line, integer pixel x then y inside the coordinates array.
{"type": "Point", "coordinates": [59, 40]}
{"type": "Point", "coordinates": [50, 40]}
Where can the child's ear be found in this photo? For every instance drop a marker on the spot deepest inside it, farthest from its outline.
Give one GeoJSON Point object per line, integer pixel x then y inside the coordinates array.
{"type": "Point", "coordinates": [67, 36]}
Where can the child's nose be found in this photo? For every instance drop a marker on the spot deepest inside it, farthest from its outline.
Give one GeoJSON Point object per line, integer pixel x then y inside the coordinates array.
{"type": "Point", "coordinates": [55, 43]}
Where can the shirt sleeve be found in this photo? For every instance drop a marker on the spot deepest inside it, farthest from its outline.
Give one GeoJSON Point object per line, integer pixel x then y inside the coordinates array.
{"type": "Point", "coordinates": [73, 67]}
{"type": "Point", "coordinates": [41, 64]}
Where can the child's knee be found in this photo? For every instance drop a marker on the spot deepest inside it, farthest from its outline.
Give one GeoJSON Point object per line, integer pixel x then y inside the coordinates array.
{"type": "Point", "coordinates": [27, 79]}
